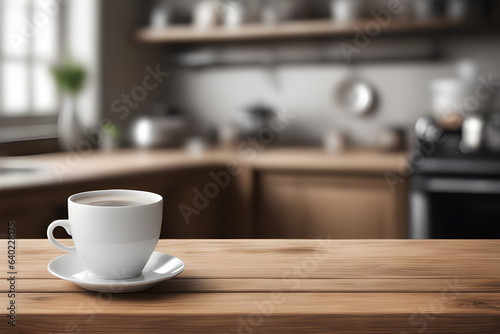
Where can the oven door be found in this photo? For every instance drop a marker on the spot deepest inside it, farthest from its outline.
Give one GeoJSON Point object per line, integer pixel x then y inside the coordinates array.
{"type": "Point", "coordinates": [454, 208]}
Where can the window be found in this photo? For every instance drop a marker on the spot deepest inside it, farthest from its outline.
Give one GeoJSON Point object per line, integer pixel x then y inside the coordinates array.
{"type": "Point", "coordinates": [30, 37]}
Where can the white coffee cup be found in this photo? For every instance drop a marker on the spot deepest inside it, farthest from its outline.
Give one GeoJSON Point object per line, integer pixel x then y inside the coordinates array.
{"type": "Point", "coordinates": [114, 231]}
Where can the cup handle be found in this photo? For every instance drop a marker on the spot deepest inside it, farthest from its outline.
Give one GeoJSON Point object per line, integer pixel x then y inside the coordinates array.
{"type": "Point", "coordinates": [66, 225]}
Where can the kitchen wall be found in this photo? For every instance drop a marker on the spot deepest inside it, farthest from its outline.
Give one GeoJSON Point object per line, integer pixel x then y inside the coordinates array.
{"type": "Point", "coordinates": [307, 92]}
{"type": "Point", "coordinates": [212, 95]}
{"type": "Point", "coordinates": [123, 61]}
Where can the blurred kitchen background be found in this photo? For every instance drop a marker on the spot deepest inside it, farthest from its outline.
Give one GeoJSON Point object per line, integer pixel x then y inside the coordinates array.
{"type": "Point", "coordinates": [256, 118]}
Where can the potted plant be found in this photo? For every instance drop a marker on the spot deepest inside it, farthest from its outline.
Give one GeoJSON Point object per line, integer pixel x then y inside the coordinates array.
{"type": "Point", "coordinates": [69, 77]}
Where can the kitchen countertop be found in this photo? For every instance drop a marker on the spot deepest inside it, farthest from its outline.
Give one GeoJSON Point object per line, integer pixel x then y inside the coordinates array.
{"type": "Point", "coordinates": [276, 286]}
{"type": "Point", "coordinates": [69, 167]}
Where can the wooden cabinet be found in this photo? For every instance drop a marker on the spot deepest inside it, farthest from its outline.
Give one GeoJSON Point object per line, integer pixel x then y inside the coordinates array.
{"type": "Point", "coordinates": [34, 208]}
{"type": "Point", "coordinates": [307, 205]}
{"type": "Point", "coordinates": [17, 210]}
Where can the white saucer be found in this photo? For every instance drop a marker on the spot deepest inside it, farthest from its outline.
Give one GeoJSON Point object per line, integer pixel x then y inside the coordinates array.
{"type": "Point", "coordinates": [160, 267]}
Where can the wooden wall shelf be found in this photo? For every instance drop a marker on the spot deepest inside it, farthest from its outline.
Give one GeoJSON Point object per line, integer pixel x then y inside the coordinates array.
{"type": "Point", "coordinates": [299, 29]}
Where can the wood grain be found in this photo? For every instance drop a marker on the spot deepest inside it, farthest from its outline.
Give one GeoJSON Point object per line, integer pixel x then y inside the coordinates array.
{"type": "Point", "coordinates": [321, 312]}
{"type": "Point", "coordinates": [335, 258]}
{"type": "Point", "coordinates": [274, 324]}
{"type": "Point", "coordinates": [261, 286]}
{"type": "Point", "coordinates": [181, 284]}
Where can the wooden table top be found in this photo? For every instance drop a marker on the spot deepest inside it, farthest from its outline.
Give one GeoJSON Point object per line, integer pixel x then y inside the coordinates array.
{"type": "Point", "coordinates": [275, 286]}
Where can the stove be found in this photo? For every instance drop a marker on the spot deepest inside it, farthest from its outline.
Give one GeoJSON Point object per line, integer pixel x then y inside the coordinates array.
{"type": "Point", "coordinates": [454, 195]}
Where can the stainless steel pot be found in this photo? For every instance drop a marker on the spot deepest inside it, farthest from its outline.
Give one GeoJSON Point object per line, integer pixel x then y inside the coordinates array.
{"type": "Point", "coordinates": [158, 131]}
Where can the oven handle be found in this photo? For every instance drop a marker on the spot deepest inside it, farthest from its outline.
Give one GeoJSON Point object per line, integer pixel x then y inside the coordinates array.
{"type": "Point", "coordinates": [465, 186]}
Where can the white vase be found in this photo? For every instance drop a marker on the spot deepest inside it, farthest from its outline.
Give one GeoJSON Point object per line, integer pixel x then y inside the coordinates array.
{"type": "Point", "coordinates": [69, 129]}
{"type": "Point", "coordinates": [109, 143]}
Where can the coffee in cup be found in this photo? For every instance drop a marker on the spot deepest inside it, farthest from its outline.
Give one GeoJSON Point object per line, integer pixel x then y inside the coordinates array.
{"type": "Point", "coordinates": [112, 200]}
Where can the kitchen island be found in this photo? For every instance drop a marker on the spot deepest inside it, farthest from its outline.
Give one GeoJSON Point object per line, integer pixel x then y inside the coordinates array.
{"type": "Point", "coordinates": [275, 286]}
{"type": "Point", "coordinates": [73, 167]}
{"type": "Point", "coordinates": [270, 194]}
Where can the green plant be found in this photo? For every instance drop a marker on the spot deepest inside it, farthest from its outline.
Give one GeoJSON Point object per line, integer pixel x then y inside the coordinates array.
{"type": "Point", "coordinates": [69, 76]}
{"type": "Point", "coordinates": [111, 129]}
